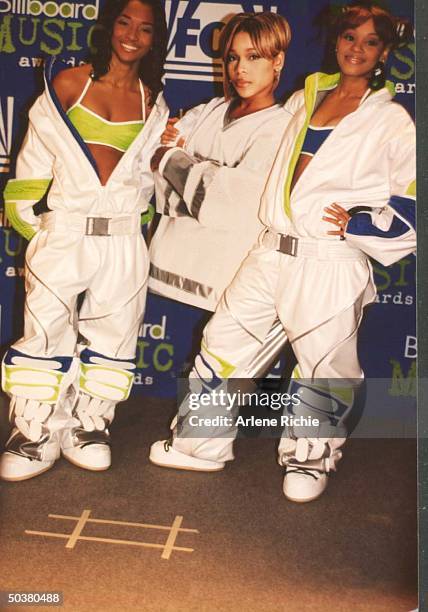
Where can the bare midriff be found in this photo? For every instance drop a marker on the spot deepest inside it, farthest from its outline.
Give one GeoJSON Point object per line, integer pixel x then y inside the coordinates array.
{"type": "Point", "coordinates": [106, 158]}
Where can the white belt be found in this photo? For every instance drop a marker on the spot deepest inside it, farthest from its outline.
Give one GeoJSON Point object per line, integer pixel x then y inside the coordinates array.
{"type": "Point", "coordinates": [59, 220]}
{"type": "Point", "coordinates": [310, 247]}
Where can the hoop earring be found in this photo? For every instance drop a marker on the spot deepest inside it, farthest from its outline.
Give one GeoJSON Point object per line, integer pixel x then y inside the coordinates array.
{"type": "Point", "coordinates": [378, 77]}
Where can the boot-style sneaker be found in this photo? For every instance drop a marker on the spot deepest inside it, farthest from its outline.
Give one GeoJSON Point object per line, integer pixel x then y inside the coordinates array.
{"type": "Point", "coordinates": [32, 448]}
{"type": "Point", "coordinates": [87, 444]}
{"type": "Point", "coordinates": [307, 462]}
{"type": "Point", "coordinates": [162, 453]}
{"type": "Point", "coordinates": [303, 484]}
{"type": "Point", "coordinates": [26, 458]}
{"type": "Point", "coordinates": [36, 386]}
{"type": "Point", "coordinates": [92, 456]}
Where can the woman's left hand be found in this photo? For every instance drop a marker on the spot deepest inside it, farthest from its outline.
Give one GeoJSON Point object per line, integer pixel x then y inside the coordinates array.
{"type": "Point", "coordinates": [157, 158]}
{"type": "Point", "coordinates": [338, 216]}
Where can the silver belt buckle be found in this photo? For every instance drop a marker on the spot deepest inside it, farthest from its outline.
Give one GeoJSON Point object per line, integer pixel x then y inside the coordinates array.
{"type": "Point", "coordinates": [98, 226]}
{"type": "Point", "coordinates": [288, 245]}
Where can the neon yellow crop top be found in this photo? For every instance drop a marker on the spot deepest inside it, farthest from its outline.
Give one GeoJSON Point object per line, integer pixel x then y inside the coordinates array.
{"type": "Point", "coordinates": [96, 130]}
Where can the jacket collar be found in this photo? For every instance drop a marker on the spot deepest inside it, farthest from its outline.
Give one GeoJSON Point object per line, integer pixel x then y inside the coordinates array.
{"type": "Point", "coordinates": [319, 81]}
{"type": "Point", "coordinates": [51, 69]}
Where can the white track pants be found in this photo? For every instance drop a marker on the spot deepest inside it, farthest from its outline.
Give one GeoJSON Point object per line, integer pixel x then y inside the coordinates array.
{"type": "Point", "coordinates": [111, 273]}
{"type": "Point", "coordinates": [319, 300]}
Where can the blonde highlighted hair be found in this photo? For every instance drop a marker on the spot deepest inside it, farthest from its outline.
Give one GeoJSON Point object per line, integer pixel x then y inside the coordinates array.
{"type": "Point", "coordinates": [270, 34]}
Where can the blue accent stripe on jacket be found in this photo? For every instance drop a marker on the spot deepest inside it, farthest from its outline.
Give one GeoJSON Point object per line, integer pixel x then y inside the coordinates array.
{"type": "Point", "coordinates": [361, 225]}
{"type": "Point", "coordinates": [405, 207]}
{"type": "Point", "coordinates": [49, 77]}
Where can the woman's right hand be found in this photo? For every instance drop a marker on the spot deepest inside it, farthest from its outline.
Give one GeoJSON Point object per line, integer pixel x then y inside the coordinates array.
{"type": "Point", "coordinates": [169, 136]}
{"type": "Point", "coordinates": [339, 216]}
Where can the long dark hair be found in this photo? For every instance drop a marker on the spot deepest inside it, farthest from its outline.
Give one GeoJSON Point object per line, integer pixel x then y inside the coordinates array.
{"type": "Point", "coordinates": [151, 68]}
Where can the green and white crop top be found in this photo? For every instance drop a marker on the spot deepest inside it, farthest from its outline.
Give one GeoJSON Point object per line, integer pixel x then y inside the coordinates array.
{"type": "Point", "coordinates": [96, 130]}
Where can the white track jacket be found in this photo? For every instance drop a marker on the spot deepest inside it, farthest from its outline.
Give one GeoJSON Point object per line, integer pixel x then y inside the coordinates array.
{"type": "Point", "coordinates": [209, 197]}
{"type": "Point", "coordinates": [53, 157]}
{"type": "Point", "coordinates": [367, 161]}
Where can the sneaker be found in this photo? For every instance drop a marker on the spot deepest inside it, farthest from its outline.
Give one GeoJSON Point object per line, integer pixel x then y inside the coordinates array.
{"type": "Point", "coordinates": [162, 453]}
{"type": "Point", "coordinates": [94, 457]}
{"type": "Point", "coordinates": [302, 484]}
{"type": "Point", "coordinates": [15, 467]}
{"type": "Point", "coordinates": [24, 458]}
{"type": "Point", "coordinates": [87, 443]}
{"type": "Point", "coordinates": [307, 463]}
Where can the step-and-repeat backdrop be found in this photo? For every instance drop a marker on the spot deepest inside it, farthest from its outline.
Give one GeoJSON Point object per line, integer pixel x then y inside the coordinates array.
{"type": "Point", "coordinates": [34, 30]}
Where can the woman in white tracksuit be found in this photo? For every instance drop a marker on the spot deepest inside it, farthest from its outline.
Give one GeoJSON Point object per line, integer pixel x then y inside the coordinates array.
{"type": "Point", "coordinates": [341, 189]}
{"type": "Point", "coordinates": [212, 213]}
{"type": "Point", "coordinates": [87, 150]}
{"type": "Point", "coordinates": [208, 189]}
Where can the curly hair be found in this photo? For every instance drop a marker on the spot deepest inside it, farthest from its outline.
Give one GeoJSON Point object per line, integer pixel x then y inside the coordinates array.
{"type": "Point", "coordinates": [270, 34]}
{"type": "Point", "coordinates": [151, 68]}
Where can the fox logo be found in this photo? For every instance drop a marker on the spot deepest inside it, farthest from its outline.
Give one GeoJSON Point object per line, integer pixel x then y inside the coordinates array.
{"type": "Point", "coordinates": [194, 29]}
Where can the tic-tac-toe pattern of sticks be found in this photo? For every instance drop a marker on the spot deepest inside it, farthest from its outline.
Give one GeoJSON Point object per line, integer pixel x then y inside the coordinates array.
{"type": "Point", "coordinates": [72, 538]}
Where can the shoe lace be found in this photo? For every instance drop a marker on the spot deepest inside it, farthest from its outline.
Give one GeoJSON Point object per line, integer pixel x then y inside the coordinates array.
{"type": "Point", "coordinates": [167, 444]}
{"type": "Point", "coordinates": [306, 471]}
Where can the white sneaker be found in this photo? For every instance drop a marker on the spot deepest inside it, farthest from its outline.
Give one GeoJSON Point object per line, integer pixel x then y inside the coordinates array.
{"type": "Point", "coordinates": [162, 453]}
{"type": "Point", "coordinates": [302, 484]}
{"type": "Point", "coordinates": [94, 457]}
{"type": "Point", "coordinates": [25, 458]}
{"type": "Point", "coordinates": [15, 467]}
{"type": "Point", "coordinates": [307, 463]}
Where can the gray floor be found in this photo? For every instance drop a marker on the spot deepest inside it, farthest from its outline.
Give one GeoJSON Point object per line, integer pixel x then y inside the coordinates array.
{"type": "Point", "coordinates": [353, 549]}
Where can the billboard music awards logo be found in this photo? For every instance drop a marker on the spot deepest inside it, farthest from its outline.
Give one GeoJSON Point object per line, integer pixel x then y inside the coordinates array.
{"type": "Point", "coordinates": [194, 31]}
{"type": "Point", "coordinates": [48, 8]}
{"type": "Point", "coordinates": [43, 28]}
{"type": "Point", "coordinates": [155, 352]}
{"type": "Point", "coordinates": [6, 125]}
